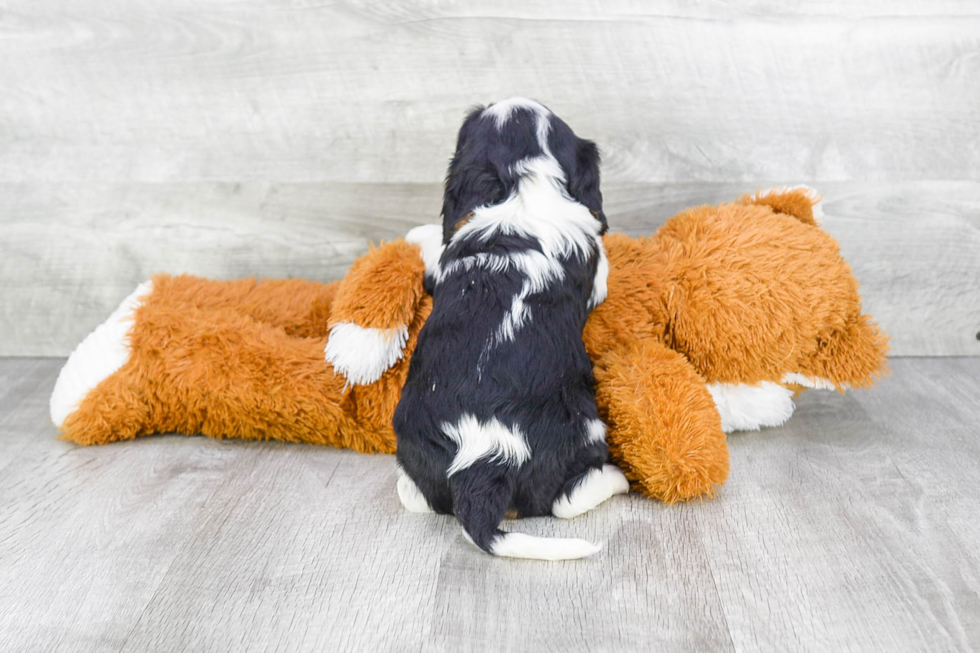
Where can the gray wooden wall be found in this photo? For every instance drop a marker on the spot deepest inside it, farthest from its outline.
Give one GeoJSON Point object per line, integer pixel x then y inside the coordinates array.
{"type": "Point", "coordinates": [277, 138]}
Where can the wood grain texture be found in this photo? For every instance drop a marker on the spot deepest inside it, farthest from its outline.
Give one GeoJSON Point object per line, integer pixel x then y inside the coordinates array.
{"type": "Point", "coordinates": [277, 139]}
{"type": "Point", "coordinates": [852, 528]}
{"type": "Point", "coordinates": [71, 252]}
{"type": "Point", "coordinates": [373, 92]}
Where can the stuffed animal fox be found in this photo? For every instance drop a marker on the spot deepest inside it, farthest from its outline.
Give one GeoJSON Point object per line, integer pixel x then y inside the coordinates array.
{"type": "Point", "coordinates": [711, 325]}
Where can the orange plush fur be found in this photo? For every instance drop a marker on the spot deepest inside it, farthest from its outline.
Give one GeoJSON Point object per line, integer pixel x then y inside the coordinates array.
{"type": "Point", "coordinates": [739, 294]}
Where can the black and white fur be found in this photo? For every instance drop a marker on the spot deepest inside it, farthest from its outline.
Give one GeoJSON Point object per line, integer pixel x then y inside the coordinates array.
{"type": "Point", "coordinates": [498, 412]}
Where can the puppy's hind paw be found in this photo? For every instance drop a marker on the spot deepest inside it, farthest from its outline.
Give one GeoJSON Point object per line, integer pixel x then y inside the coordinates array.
{"type": "Point", "coordinates": [596, 486]}
{"type": "Point", "coordinates": [410, 495]}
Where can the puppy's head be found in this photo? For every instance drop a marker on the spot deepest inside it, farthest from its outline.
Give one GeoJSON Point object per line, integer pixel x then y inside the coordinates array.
{"type": "Point", "coordinates": [502, 144]}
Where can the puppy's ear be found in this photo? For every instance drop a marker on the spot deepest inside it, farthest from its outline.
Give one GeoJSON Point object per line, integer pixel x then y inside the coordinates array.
{"type": "Point", "coordinates": [583, 181]}
{"type": "Point", "coordinates": [472, 180]}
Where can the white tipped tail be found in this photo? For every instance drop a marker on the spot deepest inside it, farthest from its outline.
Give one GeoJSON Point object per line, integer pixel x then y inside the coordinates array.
{"type": "Point", "coordinates": [97, 357]}
{"type": "Point", "coordinates": [520, 545]}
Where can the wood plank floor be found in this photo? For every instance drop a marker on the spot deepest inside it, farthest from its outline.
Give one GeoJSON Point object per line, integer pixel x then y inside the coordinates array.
{"type": "Point", "coordinates": [854, 527]}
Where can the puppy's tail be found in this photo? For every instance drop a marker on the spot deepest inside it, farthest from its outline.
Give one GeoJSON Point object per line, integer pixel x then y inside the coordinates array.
{"type": "Point", "coordinates": [481, 496]}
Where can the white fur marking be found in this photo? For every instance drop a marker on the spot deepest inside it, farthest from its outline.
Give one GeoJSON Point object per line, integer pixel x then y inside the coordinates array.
{"type": "Point", "coordinates": [97, 357]}
{"type": "Point", "coordinates": [411, 497]}
{"type": "Point", "coordinates": [562, 227]}
{"type": "Point", "coordinates": [538, 268]}
{"type": "Point", "coordinates": [518, 315]}
{"type": "Point", "coordinates": [362, 355]}
{"type": "Point", "coordinates": [429, 239]}
{"type": "Point", "coordinates": [597, 486]}
{"type": "Point", "coordinates": [519, 545]}
{"type": "Point", "coordinates": [600, 285]}
{"type": "Point", "coordinates": [490, 441]}
{"type": "Point", "coordinates": [813, 382]}
{"type": "Point", "coordinates": [595, 431]}
{"type": "Point", "coordinates": [749, 408]}
{"type": "Point", "coordinates": [539, 272]}
{"type": "Point", "coordinates": [539, 209]}
{"type": "Point", "coordinates": [501, 111]}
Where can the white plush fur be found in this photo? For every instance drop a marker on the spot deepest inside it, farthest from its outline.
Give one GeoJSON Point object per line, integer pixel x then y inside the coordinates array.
{"type": "Point", "coordinates": [411, 497]}
{"type": "Point", "coordinates": [96, 358]}
{"type": "Point", "coordinates": [485, 441]}
{"type": "Point", "coordinates": [429, 239]}
{"type": "Point", "coordinates": [519, 545]}
{"type": "Point", "coordinates": [751, 407]}
{"type": "Point", "coordinates": [597, 486]}
{"type": "Point", "coordinates": [362, 354]}
{"type": "Point", "coordinates": [813, 382]}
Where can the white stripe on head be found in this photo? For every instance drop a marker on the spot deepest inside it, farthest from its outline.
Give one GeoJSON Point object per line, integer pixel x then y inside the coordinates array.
{"type": "Point", "coordinates": [491, 441]}
{"type": "Point", "coordinates": [503, 110]}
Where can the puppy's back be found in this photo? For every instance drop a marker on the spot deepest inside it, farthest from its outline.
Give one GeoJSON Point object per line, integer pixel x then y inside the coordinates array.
{"type": "Point", "coordinates": [498, 410]}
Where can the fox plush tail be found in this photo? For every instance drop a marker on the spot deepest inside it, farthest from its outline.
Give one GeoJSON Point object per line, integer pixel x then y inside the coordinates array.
{"type": "Point", "coordinates": [481, 497]}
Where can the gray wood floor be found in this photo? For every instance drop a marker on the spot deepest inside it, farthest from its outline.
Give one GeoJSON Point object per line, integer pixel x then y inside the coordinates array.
{"type": "Point", "coordinates": [854, 527]}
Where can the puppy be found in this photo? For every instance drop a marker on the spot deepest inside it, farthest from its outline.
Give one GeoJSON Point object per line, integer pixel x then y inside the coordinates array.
{"type": "Point", "coordinates": [498, 412]}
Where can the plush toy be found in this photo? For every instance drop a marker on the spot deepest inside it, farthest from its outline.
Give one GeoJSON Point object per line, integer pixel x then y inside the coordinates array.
{"type": "Point", "coordinates": [712, 325]}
